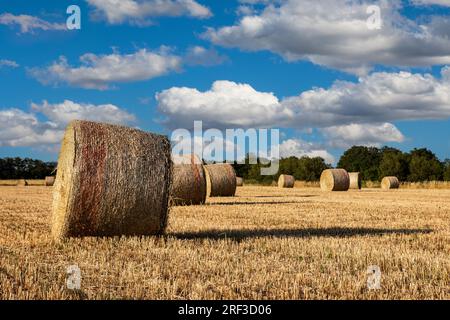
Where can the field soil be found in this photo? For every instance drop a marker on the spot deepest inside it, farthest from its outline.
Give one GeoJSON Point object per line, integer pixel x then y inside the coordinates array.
{"type": "Point", "coordinates": [266, 243]}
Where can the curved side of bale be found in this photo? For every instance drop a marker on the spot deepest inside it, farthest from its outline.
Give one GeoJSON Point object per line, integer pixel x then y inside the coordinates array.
{"type": "Point", "coordinates": [334, 180]}
{"type": "Point", "coordinates": [22, 183]}
{"type": "Point", "coordinates": [111, 181]}
{"type": "Point", "coordinates": [355, 180]}
{"type": "Point", "coordinates": [189, 181]}
{"type": "Point", "coordinates": [220, 180]}
{"type": "Point", "coordinates": [390, 183]}
{"type": "Point", "coordinates": [49, 181]}
{"type": "Point", "coordinates": [286, 181]}
{"type": "Point", "coordinates": [239, 182]}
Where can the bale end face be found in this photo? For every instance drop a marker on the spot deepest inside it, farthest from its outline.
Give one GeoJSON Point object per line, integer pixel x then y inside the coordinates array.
{"type": "Point", "coordinates": [22, 183]}
{"type": "Point", "coordinates": [334, 180]}
{"type": "Point", "coordinates": [49, 181]}
{"type": "Point", "coordinates": [355, 180]}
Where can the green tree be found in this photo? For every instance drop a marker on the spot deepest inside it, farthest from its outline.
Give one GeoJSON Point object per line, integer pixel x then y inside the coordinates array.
{"type": "Point", "coordinates": [309, 169]}
{"type": "Point", "coordinates": [447, 170]}
{"type": "Point", "coordinates": [394, 163]}
{"type": "Point", "coordinates": [365, 160]}
{"type": "Point", "coordinates": [424, 166]}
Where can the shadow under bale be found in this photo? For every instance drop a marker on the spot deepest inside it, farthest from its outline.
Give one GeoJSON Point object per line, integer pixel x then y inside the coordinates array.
{"type": "Point", "coordinates": [337, 232]}
{"type": "Point", "coordinates": [250, 203]}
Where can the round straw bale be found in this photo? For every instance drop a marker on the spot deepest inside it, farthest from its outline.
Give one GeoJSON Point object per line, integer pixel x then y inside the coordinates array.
{"type": "Point", "coordinates": [111, 181]}
{"type": "Point", "coordinates": [49, 181]}
{"type": "Point", "coordinates": [189, 181]}
{"type": "Point", "coordinates": [390, 183]}
{"type": "Point", "coordinates": [286, 181]}
{"type": "Point", "coordinates": [355, 180]}
{"type": "Point", "coordinates": [334, 180]}
{"type": "Point", "coordinates": [220, 180]}
{"type": "Point", "coordinates": [239, 181]}
{"type": "Point", "coordinates": [22, 183]}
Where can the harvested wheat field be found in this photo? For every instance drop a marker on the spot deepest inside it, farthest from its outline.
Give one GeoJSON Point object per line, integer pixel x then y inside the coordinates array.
{"type": "Point", "coordinates": [266, 243]}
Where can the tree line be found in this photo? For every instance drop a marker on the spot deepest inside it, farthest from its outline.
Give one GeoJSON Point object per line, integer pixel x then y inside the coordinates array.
{"type": "Point", "coordinates": [373, 164]}
{"type": "Point", "coordinates": [18, 168]}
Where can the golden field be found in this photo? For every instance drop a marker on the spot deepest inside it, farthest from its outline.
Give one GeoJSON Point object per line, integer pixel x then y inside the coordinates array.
{"type": "Point", "coordinates": [266, 243]}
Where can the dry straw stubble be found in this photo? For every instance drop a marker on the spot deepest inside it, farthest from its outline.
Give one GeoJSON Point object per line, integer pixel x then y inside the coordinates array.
{"type": "Point", "coordinates": [220, 180]}
{"type": "Point", "coordinates": [111, 181]}
{"type": "Point", "coordinates": [286, 181]}
{"type": "Point", "coordinates": [189, 181]}
{"type": "Point", "coordinates": [334, 180]}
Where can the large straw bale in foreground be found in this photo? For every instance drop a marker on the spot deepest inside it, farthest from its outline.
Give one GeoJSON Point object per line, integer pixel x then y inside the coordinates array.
{"type": "Point", "coordinates": [111, 181]}
{"type": "Point", "coordinates": [189, 181]}
{"type": "Point", "coordinates": [220, 180]}
{"type": "Point", "coordinates": [49, 181]}
{"type": "Point", "coordinates": [355, 180]}
{"type": "Point", "coordinates": [390, 183]}
{"type": "Point", "coordinates": [286, 181]}
{"type": "Point", "coordinates": [334, 180]}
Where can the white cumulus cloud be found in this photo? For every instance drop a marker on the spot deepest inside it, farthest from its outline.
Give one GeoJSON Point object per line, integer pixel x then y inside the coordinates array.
{"type": "Point", "coordinates": [335, 33]}
{"type": "Point", "coordinates": [299, 148]}
{"type": "Point", "coordinates": [226, 104]}
{"type": "Point", "coordinates": [28, 24]}
{"type": "Point", "coordinates": [141, 12]}
{"type": "Point", "coordinates": [100, 71]}
{"type": "Point", "coordinates": [20, 128]}
{"type": "Point", "coordinates": [371, 134]}
{"type": "Point", "coordinates": [8, 63]}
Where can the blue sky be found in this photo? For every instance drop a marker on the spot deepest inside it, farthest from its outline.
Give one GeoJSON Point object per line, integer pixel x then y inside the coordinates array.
{"type": "Point", "coordinates": [317, 72]}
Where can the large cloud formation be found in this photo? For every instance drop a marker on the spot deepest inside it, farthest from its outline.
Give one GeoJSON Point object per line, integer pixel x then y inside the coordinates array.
{"type": "Point", "coordinates": [335, 33]}
{"type": "Point", "coordinates": [347, 112]}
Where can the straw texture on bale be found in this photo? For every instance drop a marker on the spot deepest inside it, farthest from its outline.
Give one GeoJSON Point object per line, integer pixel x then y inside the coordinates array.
{"type": "Point", "coordinates": [220, 180]}
{"type": "Point", "coordinates": [189, 181]}
{"type": "Point", "coordinates": [355, 180]}
{"type": "Point", "coordinates": [22, 183]}
{"type": "Point", "coordinates": [239, 181]}
{"type": "Point", "coordinates": [334, 180]}
{"type": "Point", "coordinates": [111, 181]}
{"type": "Point", "coordinates": [49, 181]}
{"type": "Point", "coordinates": [390, 183]}
{"type": "Point", "coordinates": [286, 181]}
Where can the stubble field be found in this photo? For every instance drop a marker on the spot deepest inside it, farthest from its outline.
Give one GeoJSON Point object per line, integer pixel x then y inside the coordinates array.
{"type": "Point", "coordinates": [266, 243]}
